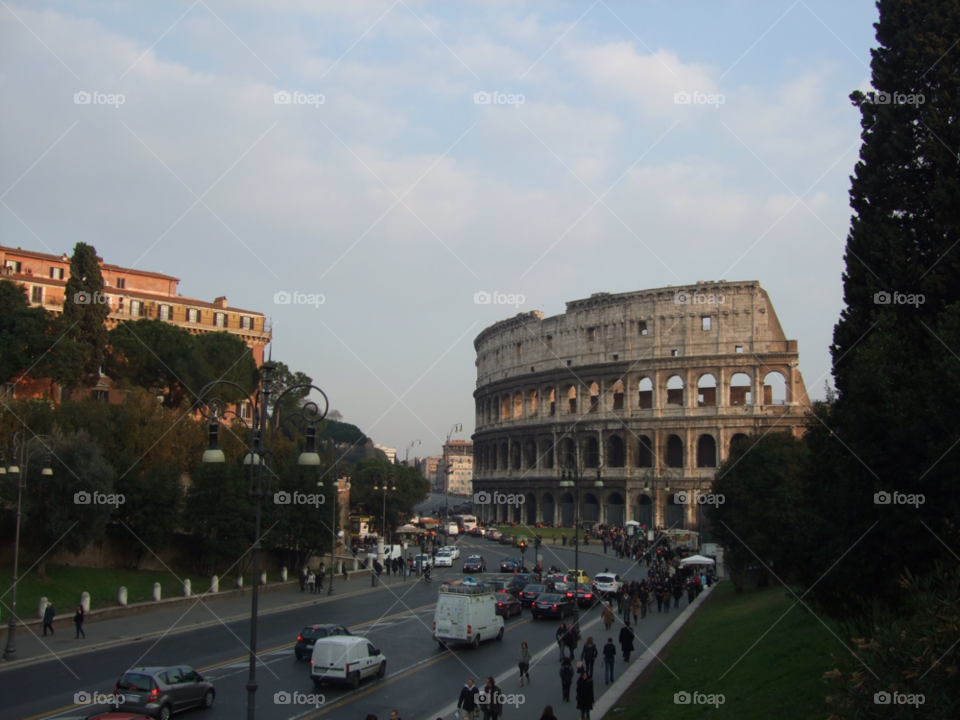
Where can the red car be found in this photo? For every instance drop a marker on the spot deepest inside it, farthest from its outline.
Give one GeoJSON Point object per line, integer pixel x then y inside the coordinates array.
{"type": "Point", "coordinates": [507, 604]}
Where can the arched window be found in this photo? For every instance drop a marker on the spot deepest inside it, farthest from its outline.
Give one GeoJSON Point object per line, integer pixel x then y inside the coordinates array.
{"type": "Point", "coordinates": [739, 437]}
{"type": "Point", "coordinates": [616, 456]}
{"type": "Point", "coordinates": [505, 408]}
{"type": "Point", "coordinates": [533, 399]}
{"type": "Point", "coordinates": [515, 455]}
{"type": "Point", "coordinates": [593, 452]}
{"type": "Point", "coordinates": [517, 406]}
{"type": "Point", "coordinates": [774, 389]}
{"type": "Point", "coordinates": [594, 397]}
{"type": "Point", "coordinates": [645, 458]}
{"type": "Point", "coordinates": [707, 391]}
{"type": "Point", "coordinates": [646, 394]}
{"type": "Point", "coordinates": [618, 395]}
{"type": "Point", "coordinates": [572, 400]}
{"type": "Point", "coordinates": [675, 390]}
{"type": "Point", "coordinates": [740, 390]}
{"type": "Point", "coordinates": [706, 451]}
{"type": "Point", "coordinates": [674, 451]}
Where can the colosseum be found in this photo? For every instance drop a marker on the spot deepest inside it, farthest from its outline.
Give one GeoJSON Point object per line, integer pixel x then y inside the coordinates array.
{"type": "Point", "coordinates": [638, 394]}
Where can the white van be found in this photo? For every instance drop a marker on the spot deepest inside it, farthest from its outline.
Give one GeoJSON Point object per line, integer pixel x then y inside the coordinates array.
{"type": "Point", "coordinates": [466, 614]}
{"type": "Point", "coordinates": [345, 659]}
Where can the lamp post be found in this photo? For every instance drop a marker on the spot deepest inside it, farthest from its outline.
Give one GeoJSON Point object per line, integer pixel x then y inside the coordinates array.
{"type": "Point", "coordinates": [389, 482]}
{"type": "Point", "coordinates": [571, 475]}
{"type": "Point", "coordinates": [257, 489]}
{"type": "Point", "coordinates": [21, 454]}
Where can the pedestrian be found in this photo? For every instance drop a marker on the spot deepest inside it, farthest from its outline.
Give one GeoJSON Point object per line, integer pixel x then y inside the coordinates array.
{"type": "Point", "coordinates": [321, 574]}
{"type": "Point", "coordinates": [677, 594]}
{"type": "Point", "coordinates": [636, 608]}
{"type": "Point", "coordinates": [312, 582]}
{"type": "Point", "coordinates": [584, 696]}
{"type": "Point", "coordinates": [626, 642]}
{"type": "Point", "coordinates": [491, 700]}
{"type": "Point", "coordinates": [665, 592]}
{"type": "Point", "coordinates": [658, 592]}
{"type": "Point", "coordinates": [609, 656]}
{"type": "Point", "coordinates": [468, 699]}
{"type": "Point", "coordinates": [644, 597]}
{"type": "Point", "coordinates": [343, 566]}
{"type": "Point", "coordinates": [548, 713]}
{"type": "Point", "coordinates": [589, 655]}
{"type": "Point", "coordinates": [561, 639]}
{"type": "Point", "coordinates": [78, 621]}
{"type": "Point", "coordinates": [573, 638]}
{"type": "Point", "coordinates": [48, 614]}
{"type": "Point", "coordinates": [394, 715]}
{"type": "Point", "coordinates": [303, 579]}
{"type": "Point", "coordinates": [607, 615]}
{"type": "Point", "coordinates": [523, 662]}
{"type": "Point", "coordinates": [566, 678]}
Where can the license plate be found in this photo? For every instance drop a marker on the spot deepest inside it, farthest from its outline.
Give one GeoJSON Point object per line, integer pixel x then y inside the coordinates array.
{"type": "Point", "coordinates": [132, 698]}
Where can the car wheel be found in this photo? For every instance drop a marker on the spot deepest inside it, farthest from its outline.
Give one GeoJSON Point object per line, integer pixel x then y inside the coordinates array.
{"type": "Point", "coordinates": [354, 680]}
{"type": "Point", "coordinates": [164, 713]}
{"type": "Point", "coordinates": [476, 641]}
{"type": "Point", "coordinates": [382, 671]}
{"type": "Point", "coordinates": [500, 634]}
{"type": "Point", "coordinates": [208, 699]}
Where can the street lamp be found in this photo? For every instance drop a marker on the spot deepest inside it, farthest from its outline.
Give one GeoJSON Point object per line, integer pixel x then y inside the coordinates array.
{"type": "Point", "coordinates": [389, 482]}
{"type": "Point", "coordinates": [21, 454]}
{"type": "Point", "coordinates": [262, 421]}
{"type": "Point", "coordinates": [571, 476]}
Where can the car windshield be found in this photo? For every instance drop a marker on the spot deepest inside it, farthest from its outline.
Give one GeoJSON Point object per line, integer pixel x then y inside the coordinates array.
{"type": "Point", "coordinates": [135, 681]}
{"type": "Point", "coordinates": [314, 633]}
{"type": "Point", "coordinates": [533, 588]}
{"type": "Point", "coordinates": [583, 588]}
{"type": "Point", "coordinates": [550, 598]}
{"type": "Point", "coordinates": [473, 559]}
{"type": "Point", "coordinates": [444, 553]}
{"type": "Point", "coordinates": [511, 559]}
{"type": "Point", "coordinates": [504, 597]}
{"type": "Point", "coordinates": [523, 576]}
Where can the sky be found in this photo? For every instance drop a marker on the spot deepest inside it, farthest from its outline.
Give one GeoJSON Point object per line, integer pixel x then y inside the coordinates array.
{"type": "Point", "coordinates": [395, 158]}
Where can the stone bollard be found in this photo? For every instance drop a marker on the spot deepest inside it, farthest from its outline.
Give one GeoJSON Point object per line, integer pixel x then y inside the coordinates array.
{"type": "Point", "coordinates": [85, 601]}
{"type": "Point", "coordinates": [186, 587]}
{"type": "Point", "coordinates": [239, 581]}
{"type": "Point", "coordinates": [214, 584]}
{"type": "Point", "coordinates": [157, 592]}
{"type": "Point", "coordinates": [283, 574]}
{"type": "Point", "coordinates": [356, 563]}
{"type": "Point", "coordinates": [122, 597]}
{"type": "Point", "coordinates": [43, 606]}
{"type": "Point", "coordinates": [263, 577]}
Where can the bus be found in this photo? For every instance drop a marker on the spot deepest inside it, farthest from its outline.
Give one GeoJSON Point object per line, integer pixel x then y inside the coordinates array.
{"type": "Point", "coordinates": [466, 522]}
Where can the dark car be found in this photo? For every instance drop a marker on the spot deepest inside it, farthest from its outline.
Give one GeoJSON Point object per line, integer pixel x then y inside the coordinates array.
{"type": "Point", "coordinates": [492, 534]}
{"type": "Point", "coordinates": [310, 634]}
{"type": "Point", "coordinates": [476, 532]}
{"type": "Point", "coordinates": [558, 606]}
{"type": "Point", "coordinates": [507, 604]}
{"type": "Point", "coordinates": [522, 579]}
{"type": "Point", "coordinates": [117, 716]}
{"type": "Point", "coordinates": [509, 564]}
{"type": "Point", "coordinates": [158, 692]}
{"type": "Point", "coordinates": [585, 595]}
{"type": "Point", "coordinates": [502, 586]}
{"type": "Point", "coordinates": [475, 564]}
{"type": "Point", "coordinates": [506, 539]}
{"type": "Point", "coordinates": [529, 593]}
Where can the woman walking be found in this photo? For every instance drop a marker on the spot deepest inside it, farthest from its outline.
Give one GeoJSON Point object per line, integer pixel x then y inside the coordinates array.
{"type": "Point", "coordinates": [524, 662]}
{"type": "Point", "coordinates": [548, 710]}
{"type": "Point", "coordinates": [588, 655]}
{"type": "Point", "coordinates": [607, 615]}
{"type": "Point", "coordinates": [584, 696]}
{"type": "Point", "coordinates": [636, 608]}
{"type": "Point", "coordinates": [78, 621]}
{"type": "Point", "coordinates": [566, 678]}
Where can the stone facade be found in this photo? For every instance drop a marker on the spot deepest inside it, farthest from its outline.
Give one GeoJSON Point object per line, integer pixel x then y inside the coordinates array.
{"type": "Point", "coordinates": [643, 392]}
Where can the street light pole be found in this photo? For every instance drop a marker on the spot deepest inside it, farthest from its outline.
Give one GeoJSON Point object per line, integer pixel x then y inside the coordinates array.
{"type": "Point", "coordinates": [457, 427]}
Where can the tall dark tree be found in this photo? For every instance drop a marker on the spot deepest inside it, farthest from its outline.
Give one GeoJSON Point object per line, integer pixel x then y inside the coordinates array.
{"type": "Point", "coordinates": [85, 312]}
{"type": "Point", "coordinates": [25, 333]}
{"type": "Point", "coordinates": [411, 488]}
{"type": "Point", "coordinates": [150, 514]}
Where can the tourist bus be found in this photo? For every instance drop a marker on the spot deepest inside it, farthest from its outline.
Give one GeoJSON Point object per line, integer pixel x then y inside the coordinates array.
{"type": "Point", "coordinates": [465, 522]}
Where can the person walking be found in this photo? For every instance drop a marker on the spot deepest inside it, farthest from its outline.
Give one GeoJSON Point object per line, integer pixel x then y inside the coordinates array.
{"type": "Point", "coordinates": [607, 615]}
{"type": "Point", "coordinates": [584, 696]}
{"type": "Point", "coordinates": [658, 592]}
{"type": "Point", "coordinates": [566, 678]}
{"type": "Point", "coordinates": [312, 582]}
{"type": "Point", "coordinates": [548, 713]}
{"type": "Point", "coordinates": [78, 621]}
{"type": "Point", "coordinates": [343, 566]}
{"type": "Point", "coordinates": [48, 614]}
{"type": "Point", "coordinates": [644, 597]}
{"type": "Point", "coordinates": [677, 594]}
{"type": "Point", "coordinates": [523, 662]}
{"type": "Point", "coordinates": [589, 655]}
{"type": "Point", "coordinates": [665, 593]}
{"type": "Point", "coordinates": [562, 639]}
{"type": "Point", "coordinates": [626, 642]}
{"type": "Point", "coordinates": [321, 574]}
{"type": "Point", "coordinates": [303, 580]}
{"type": "Point", "coordinates": [491, 700]}
{"type": "Point", "coordinates": [573, 639]}
{"type": "Point", "coordinates": [468, 699]}
{"type": "Point", "coordinates": [609, 656]}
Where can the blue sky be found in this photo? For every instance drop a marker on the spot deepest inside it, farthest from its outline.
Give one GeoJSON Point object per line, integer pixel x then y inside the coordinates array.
{"type": "Point", "coordinates": [399, 197]}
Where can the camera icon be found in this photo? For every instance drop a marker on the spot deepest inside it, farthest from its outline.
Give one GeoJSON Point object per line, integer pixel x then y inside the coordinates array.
{"type": "Point", "coordinates": [281, 298]}
{"type": "Point", "coordinates": [881, 498]}
{"type": "Point", "coordinates": [282, 498]}
{"type": "Point", "coordinates": [81, 98]}
{"type": "Point", "coordinates": [681, 698]}
{"type": "Point", "coordinates": [483, 698]}
{"type": "Point", "coordinates": [281, 698]}
{"type": "Point", "coordinates": [481, 298]}
{"type": "Point", "coordinates": [82, 698]}
{"type": "Point", "coordinates": [681, 498]}
{"type": "Point", "coordinates": [482, 498]}
{"type": "Point", "coordinates": [81, 298]}
{"type": "Point", "coordinates": [81, 498]}
{"type": "Point", "coordinates": [681, 298]}
{"type": "Point", "coordinates": [882, 298]}
{"type": "Point", "coordinates": [281, 98]}
{"type": "Point", "coordinates": [882, 98]}
{"type": "Point", "coordinates": [481, 98]}
{"type": "Point", "coordinates": [682, 98]}
{"type": "Point", "coordinates": [882, 698]}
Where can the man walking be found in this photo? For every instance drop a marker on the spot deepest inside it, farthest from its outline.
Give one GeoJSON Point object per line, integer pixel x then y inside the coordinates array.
{"type": "Point", "coordinates": [626, 642]}
{"type": "Point", "coordinates": [609, 656]}
{"type": "Point", "coordinates": [468, 700]}
{"type": "Point", "coordinates": [48, 614]}
{"type": "Point", "coordinates": [562, 639]}
{"type": "Point", "coordinates": [491, 700]}
{"type": "Point", "coordinates": [312, 582]}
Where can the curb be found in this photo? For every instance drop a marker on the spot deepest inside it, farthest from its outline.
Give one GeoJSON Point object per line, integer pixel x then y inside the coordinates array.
{"type": "Point", "coordinates": [619, 687]}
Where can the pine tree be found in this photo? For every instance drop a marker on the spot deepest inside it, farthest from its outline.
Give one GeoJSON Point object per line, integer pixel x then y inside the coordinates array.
{"type": "Point", "coordinates": [85, 310]}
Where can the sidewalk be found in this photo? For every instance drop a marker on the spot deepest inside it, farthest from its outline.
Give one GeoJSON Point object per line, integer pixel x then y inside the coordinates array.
{"type": "Point", "coordinates": [33, 647]}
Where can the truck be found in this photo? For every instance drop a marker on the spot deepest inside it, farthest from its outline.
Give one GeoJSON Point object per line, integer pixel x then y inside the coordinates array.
{"type": "Point", "coordinates": [466, 614]}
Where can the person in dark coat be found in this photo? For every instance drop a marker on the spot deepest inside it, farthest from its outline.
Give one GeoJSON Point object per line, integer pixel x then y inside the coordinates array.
{"type": "Point", "coordinates": [589, 655]}
{"type": "Point", "coordinates": [566, 678]}
{"type": "Point", "coordinates": [78, 621]}
{"type": "Point", "coordinates": [548, 713]}
{"type": "Point", "coordinates": [626, 642]}
{"type": "Point", "coordinates": [468, 699]}
{"type": "Point", "coordinates": [48, 619]}
{"type": "Point", "coordinates": [609, 656]}
{"type": "Point", "coordinates": [584, 695]}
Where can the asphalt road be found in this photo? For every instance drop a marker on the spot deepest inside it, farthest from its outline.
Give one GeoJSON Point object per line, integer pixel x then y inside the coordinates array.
{"type": "Point", "coordinates": [421, 682]}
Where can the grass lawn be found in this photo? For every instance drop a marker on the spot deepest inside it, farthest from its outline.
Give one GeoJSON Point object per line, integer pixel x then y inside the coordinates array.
{"type": "Point", "coordinates": [548, 534]}
{"type": "Point", "coordinates": [778, 678]}
{"type": "Point", "coordinates": [64, 583]}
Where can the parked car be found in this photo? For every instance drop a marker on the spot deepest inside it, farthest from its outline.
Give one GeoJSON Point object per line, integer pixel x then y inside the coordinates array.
{"type": "Point", "coordinates": [506, 539]}
{"type": "Point", "coordinates": [443, 559]}
{"type": "Point", "coordinates": [475, 564]}
{"type": "Point", "coordinates": [311, 633]}
{"type": "Point", "coordinates": [507, 604]}
{"type": "Point", "coordinates": [530, 593]}
{"type": "Point", "coordinates": [345, 660]}
{"type": "Point", "coordinates": [558, 606]}
{"type": "Point", "coordinates": [510, 563]}
{"type": "Point", "coordinates": [158, 692]}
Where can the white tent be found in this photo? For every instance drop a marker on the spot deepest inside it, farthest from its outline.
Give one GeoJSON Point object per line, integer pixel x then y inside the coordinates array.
{"type": "Point", "coordinates": [632, 522]}
{"type": "Point", "coordinates": [408, 529]}
{"type": "Point", "coordinates": [697, 560]}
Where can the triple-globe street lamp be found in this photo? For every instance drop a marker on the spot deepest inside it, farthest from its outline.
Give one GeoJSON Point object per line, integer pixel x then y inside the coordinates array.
{"type": "Point", "coordinates": [388, 482]}
{"type": "Point", "coordinates": [571, 476]}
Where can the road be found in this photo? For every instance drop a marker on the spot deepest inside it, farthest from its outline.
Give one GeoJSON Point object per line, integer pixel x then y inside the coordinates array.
{"type": "Point", "coordinates": [421, 682]}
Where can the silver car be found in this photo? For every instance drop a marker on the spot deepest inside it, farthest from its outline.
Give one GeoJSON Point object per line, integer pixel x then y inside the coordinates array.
{"type": "Point", "coordinates": [161, 691]}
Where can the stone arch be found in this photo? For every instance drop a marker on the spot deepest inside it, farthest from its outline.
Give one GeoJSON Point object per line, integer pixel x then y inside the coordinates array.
{"type": "Point", "coordinates": [552, 397]}
{"type": "Point", "coordinates": [707, 390]}
{"type": "Point", "coordinates": [615, 509]}
{"type": "Point", "coordinates": [706, 451]}
{"type": "Point", "coordinates": [530, 454]}
{"type": "Point", "coordinates": [546, 455]}
{"type": "Point", "coordinates": [531, 504]}
{"type": "Point", "coordinates": [774, 388]}
{"type": "Point", "coordinates": [674, 514]}
{"type": "Point", "coordinates": [515, 455]}
{"type": "Point", "coordinates": [645, 394]}
{"type": "Point", "coordinates": [533, 401]}
{"type": "Point", "coordinates": [485, 457]}
{"type": "Point", "coordinates": [645, 511]}
{"type": "Point", "coordinates": [504, 451]}
{"type": "Point", "coordinates": [594, 397]}
{"type": "Point", "coordinates": [616, 452]}
{"type": "Point", "coordinates": [568, 452]}
{"type": "Point", "coordinates": [517, 405]}
{"type": "Point", "coordinates": [675, 390]}
{"type": "Point", "coordinates": [480, 413]}
{"type": "Point", "coordinates": [505, 407]}
{"type": "Point", "coordinates": [547, 509]}
{"type": "Point", "coordinates": [741, 390]}
{"type": "Point", "coordinates": [618, 395]}
{"type": "Point", "coordinates": [592, 449]}
{"type": "Point", "coordinates": [566, 510]}
{"type": "Point", "coordinates": [572, 399]}
{"type": "Point", "coordinates": [489, 412]}
{"type": "Point", "coordinates": [674, 451]}
{"type": "Point", "coordinates": [737, 438]}
{"type": "Point", "coordinates": [645, 456]}
{"type": "Point", "coordinates": [591, 508]}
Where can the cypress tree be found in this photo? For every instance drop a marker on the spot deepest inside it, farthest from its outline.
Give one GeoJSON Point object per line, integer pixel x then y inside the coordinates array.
{"type": "Point", "coordinates": [85, 312]}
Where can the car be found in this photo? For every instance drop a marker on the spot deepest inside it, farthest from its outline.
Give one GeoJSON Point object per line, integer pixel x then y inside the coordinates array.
{"type": "Point", "coordinates": [584, 595]}
{"type": "Point", "coordinates": [476, 532]}
{"type": "Point", "coordinates": [158, 692]}
{"type": "Point", "coordinates": [114, 716]}
{"type": "Point", "coordinates": [522, 579]}
{"type": "Point", "coordinates": [510, 563]}
{"type": "Point", "coordinates": [492, 534]}
{"type": "Point", "coordinates": [606, 583]}
{"type": "Point", "coordinates": [530, 593]}
{"type": "Point", "coordinates": [522, 541]}
{"type": "Point", "coordinates": [453, 550]}
{"type": "Point", "coordinates": [507, 604]}
{"type": "Point", "coordinates": [443, 559]}
{"type": "Point", "coordinates": [422, 561]}
{"type": "Point", "coordinates": [345, 660]}
{"type": "Point", "coordinates": [558, 606]}
{"type": "Point", "coordinates": [311, 633]}
{"type": "Point", "coordinates": [506, 539]}
{"type": "Point", "coordinates": [476, 564]}
{"type": "Point", "coordinates": [579, 576]}
{"type": "Point", "coordinates": [502, 586]}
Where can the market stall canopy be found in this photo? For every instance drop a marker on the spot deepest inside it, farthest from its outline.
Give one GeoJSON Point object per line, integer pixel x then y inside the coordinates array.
{"type": "Point", "coordinates": [632, 522]}
{"type": "Point", "coordinates": [697, 560]}
{"type": "Point", "coordinates": [408, 529]}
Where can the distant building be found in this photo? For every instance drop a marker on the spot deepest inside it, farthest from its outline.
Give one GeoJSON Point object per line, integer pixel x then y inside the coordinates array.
{"type": "Point", "coordinates": [428, 468]}
{"type": "Point", "coordinates": [457, 467]}
{"type": "Point", "coordinates": [390, 452]}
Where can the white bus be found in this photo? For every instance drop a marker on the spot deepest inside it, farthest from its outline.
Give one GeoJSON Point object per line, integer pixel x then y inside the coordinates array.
{"type": "Point", "coordinates": [466, 522]}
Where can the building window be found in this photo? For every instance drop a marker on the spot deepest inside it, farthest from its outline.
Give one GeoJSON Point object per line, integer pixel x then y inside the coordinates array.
{"type": "Point", "coordinates": [674, 353]}
{"type": "Point", "coordinates": [121, 283]}
{"type": "Point", "coordinates": [591, 334]}
{"type": "Point", "coordinates": [246, 323]}
{"type": "Point", "coordinates": [136, 308]}
{"type": "Point", "coordinates": [245, 410]}
{"type": "Point", "coordinates": [220, 319]}
{"type": "Point", "coordinates": [193, 315]}
{"type": "Point", "coordinates": [705, 323]}
{"type": "Point", "coordinates": [56, 273]}
{"type": "Point", "coordinates": [36, 294]}
{"type": "Point", "coordinates": [100, 395]}
{"type": "Point", "coordinates": [642, 327]}
{"type": "Point", "coordinates": [166, 312]}
{"type": "Point", "coordinates": [739, 348]}
{"type": "Point", "coordinates": [13, 265]}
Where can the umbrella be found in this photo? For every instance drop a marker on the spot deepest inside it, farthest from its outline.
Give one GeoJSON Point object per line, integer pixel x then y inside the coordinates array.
{"type": "Point", "coordinates": [697, 560]}
{"type": "Point", "coordinates": [407, 529]}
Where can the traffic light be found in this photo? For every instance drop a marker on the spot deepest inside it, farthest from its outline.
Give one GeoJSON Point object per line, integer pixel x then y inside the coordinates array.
{"type": "Point", "coordinates": [536, 544]}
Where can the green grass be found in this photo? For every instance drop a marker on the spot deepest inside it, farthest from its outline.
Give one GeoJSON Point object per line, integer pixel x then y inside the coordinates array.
{"type": "Point", "coordinates": [778, 678]}
{"type": "Point", "coordinates": [548, 534]}
{"type": "Point", "coordinates": [64, 583]}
